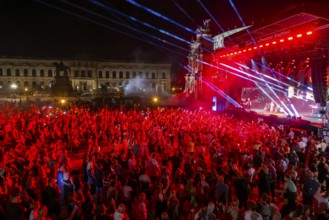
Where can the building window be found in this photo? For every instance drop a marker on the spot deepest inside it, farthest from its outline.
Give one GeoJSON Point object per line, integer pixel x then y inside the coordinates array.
{"type": "Point", "coordinates": [164, 87]}
{"type": "Point", "coordinates": [114, 74]}
{"type": "Point", "coordinates": [100, 74]}
{"type": "Point", "coordinates": [42, 73]}
{"type": "Point", "coordinates": [121, 75]}
{"type": "Point", "coordinates": [153, 75]}
{"type": "Point", "coordinates": [153, 86]}
{"type": "Point", "coordinates": [107, 74]}
{"type": "Point", "coordinates": [34, 85]}
{"type": "Point", "coordinates": [26, 84]}
{"type": "Point", "coordinates": [8, 72]}
{"type": "Point", "coordinates": [17, 73]}
{"type": "Point", "coordinates": [1, 84]}
{"type": "Point", "coordinates": [25, 73]}
{"type": "Point", "coordinates": [134, 74]}
{"type": "Point", "coordinates": [163, 75]}
{"type": "Point", "coordinates": [147, 75]}
{"type": "Point", "coordinates": [0, 72]}
{"type": "Point", "coordinates": [42, 85]}
{"type": "Point", "coordinates": [50, 73]}
{"type": "Point", "coordinates": [34, 73]}
{"type": "Point", "coordinates": [89, 73]}
{"type": "Point", "coordinates": [127, 75]}
{"type": "Point", "coordinates": [83, 73]}
{"type": "Point", "coordinates": [140, 75]}
{"type": "Point", "coordinates": [76, 73]}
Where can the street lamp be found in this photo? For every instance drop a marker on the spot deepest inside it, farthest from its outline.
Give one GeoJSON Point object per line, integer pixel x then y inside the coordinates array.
{"type": "Point", "coordinates": [13, 87]}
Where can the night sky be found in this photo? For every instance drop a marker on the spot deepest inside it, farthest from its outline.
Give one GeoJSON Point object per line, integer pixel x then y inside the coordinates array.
{"type": "Point", "coordinates": [32, 29]}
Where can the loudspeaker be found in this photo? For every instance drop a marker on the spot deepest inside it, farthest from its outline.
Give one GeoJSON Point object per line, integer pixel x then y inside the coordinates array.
{"type": "Point", "coordinates": [319, 79]}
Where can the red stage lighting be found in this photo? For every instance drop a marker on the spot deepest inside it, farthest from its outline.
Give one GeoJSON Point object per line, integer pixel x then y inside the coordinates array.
{"type": "Point", "coordinates": [309, 33]}
{"type": "Point", "coordinates": [299, 35]}
{"type": "Point", "coordinates": [274, 42]}
{"type": "Point", "coordinates": [290, 38]}
{"type": "Point", "coordinates": [281, 40]}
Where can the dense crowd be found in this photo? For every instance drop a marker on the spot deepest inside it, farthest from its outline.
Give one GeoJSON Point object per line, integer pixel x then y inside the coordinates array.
{"type": "Point", "coordinates": [157, 164]}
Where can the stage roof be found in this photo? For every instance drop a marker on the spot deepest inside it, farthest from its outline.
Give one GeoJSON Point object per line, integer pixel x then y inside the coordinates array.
{"type": "Point", "coordinates": [298, 22]}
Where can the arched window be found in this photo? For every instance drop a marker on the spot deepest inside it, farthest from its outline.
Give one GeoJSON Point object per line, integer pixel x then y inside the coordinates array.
{"type": "Point", "coordinates": [42, 73]}
{"type": "Point", "coordinates": [26, 84]}
{"type": "Point", "coordinates": [42, 85]}
{"type": "Point", "coordinates": [34, 85]}
{"type": "Point", "coordinates": [1, 84]}
{"type": "Point", "coordinates": [127, 75]}
{"type": "Point", "coordinates": [50, 73]}
{"type": "Point", "coordinates": [26, 73]}
{"type": "Point", "coordinates": [114, 74]}
{"type": "Point", "coordinates": [76, 73]}
{"type": "Point", "coordinates": [34, 73]}
{"type": "Point", "coordinates": [100, 74]}
{"type": "Point", "coordinates": [121, 75]}
{"type": "Point", "coordinates": [147, 75]}
{"type": "Point", "coordinates": [153, 75]}
{"type": "Point", "coordinates": [164, 86]}
{"type": "Point", "coordinates": [163, 75]}
{"type": "Point", "coordinates": [140, 75]}
{"type": "Point", "coordinates": [0, 72]}
{"type": "Point", "coordinates": [83, 73]}
{"type": "Point", "coordinates": [8, 72]}
{"type": "Point", "coordinates": [18, 83]}
{"type": "Point", "coordinates": [17, 73]}
{"type": "Point", "coordinates": [134, 74]}
{"type": "Point", "coordinates": [107, 74]}
{"type": "Point", "coordinates": [89, 73]}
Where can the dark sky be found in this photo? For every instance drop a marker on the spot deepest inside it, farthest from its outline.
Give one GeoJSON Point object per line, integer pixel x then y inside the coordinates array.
{"type": "Point", "coordinates": [30, 28]}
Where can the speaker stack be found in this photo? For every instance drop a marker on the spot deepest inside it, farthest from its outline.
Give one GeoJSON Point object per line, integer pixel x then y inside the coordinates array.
{"type": "Point", "coordinates": [319, 64]}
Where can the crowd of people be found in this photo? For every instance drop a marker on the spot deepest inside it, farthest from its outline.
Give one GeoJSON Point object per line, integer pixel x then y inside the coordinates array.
{"type": "Point", "coordinates": [162, 163]}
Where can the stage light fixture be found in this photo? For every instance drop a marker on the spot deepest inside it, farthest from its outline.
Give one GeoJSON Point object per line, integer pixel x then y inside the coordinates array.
{"type": "Point", "coordinates": [299, 35]}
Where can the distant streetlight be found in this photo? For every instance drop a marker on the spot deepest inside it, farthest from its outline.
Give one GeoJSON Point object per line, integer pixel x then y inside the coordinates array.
{"type": "Point", "coordinates": [13, 86]}
{"type": "Point", "coordinates": [63, 101]}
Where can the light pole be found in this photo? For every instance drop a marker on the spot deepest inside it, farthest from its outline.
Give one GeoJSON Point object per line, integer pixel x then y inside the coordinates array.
{"type": "Point", "coordinates": [13, 87]}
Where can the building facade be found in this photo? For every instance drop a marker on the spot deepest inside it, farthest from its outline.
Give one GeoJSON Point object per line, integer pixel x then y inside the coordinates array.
{"type": "Point", "coordinates": [86, 76]}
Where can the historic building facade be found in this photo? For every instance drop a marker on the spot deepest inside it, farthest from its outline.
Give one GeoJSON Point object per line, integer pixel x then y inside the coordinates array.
{"type": "Point", "coordinates": [86, 76]}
